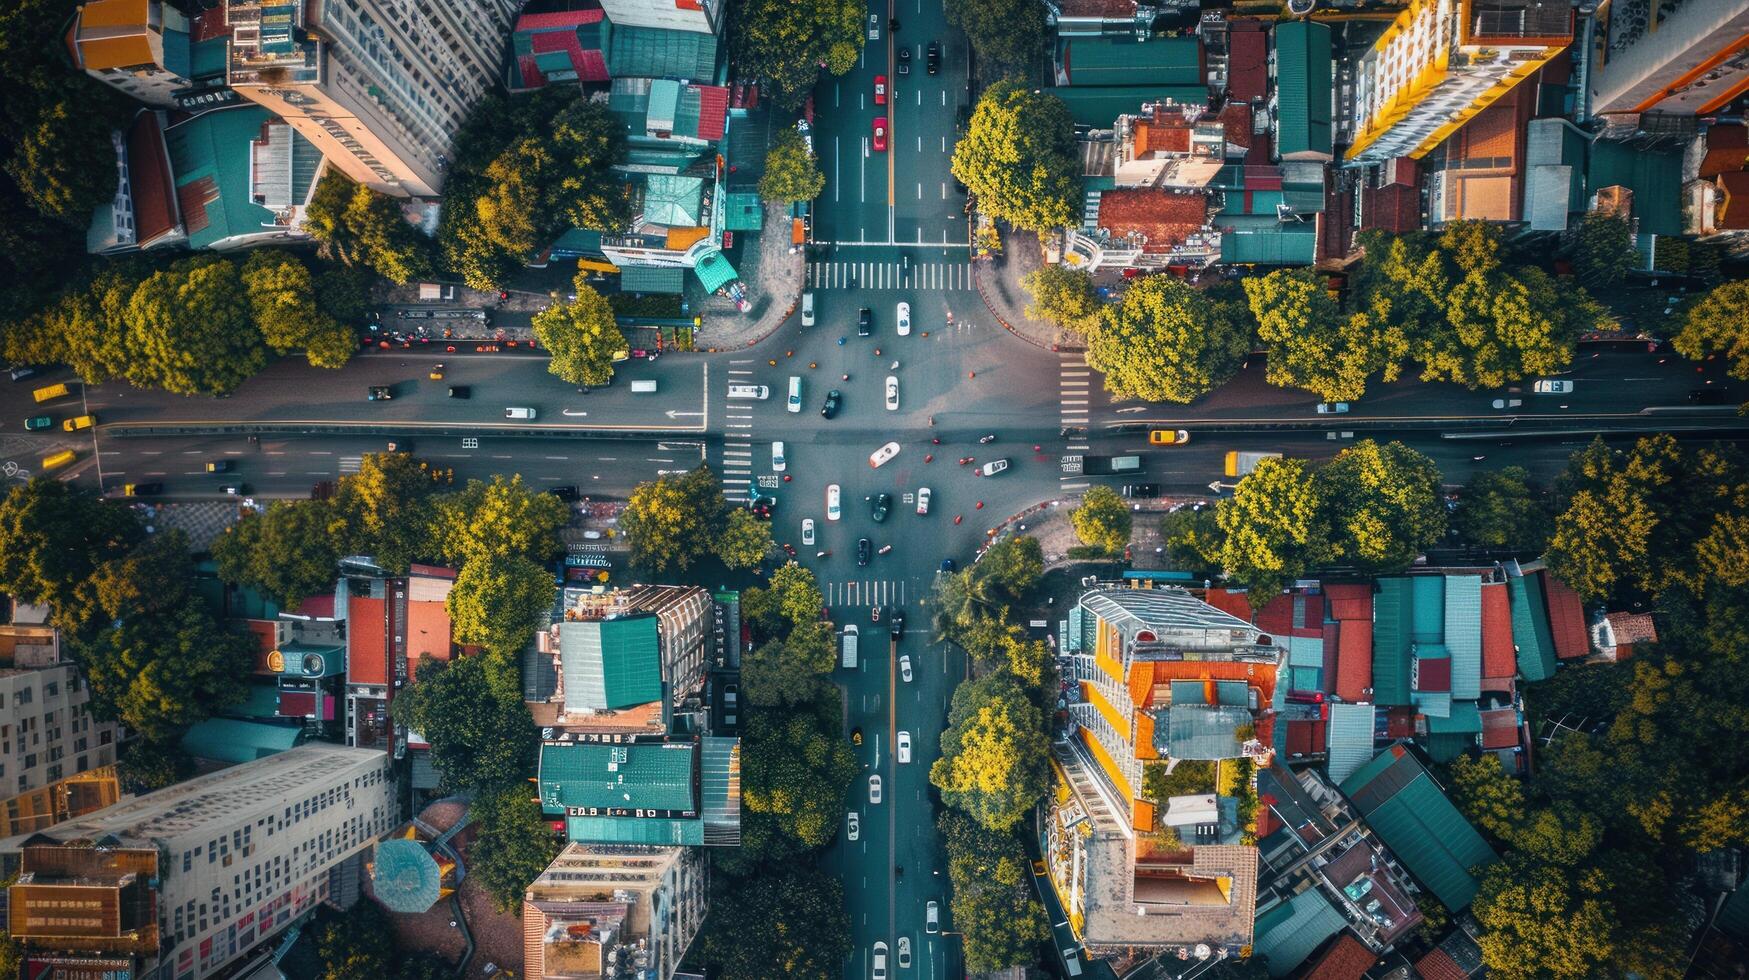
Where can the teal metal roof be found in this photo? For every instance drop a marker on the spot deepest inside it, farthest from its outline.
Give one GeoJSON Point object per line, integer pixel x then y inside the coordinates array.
{"type": "Point", "coordinates": [1464, 718]}
{"type": "Point", "coordinates": [1349, 736]}
{"type": "Point", "coordinates": [1188, 692]}
{"type": "Point", "coordinates": [1446, 746]}
{"type": "Point", "coordinates": [720, 790]}
{"type": "Point", "coordinates": [228, 740]}
{"type": "Point", "coordinates": [1734, 914]}
{"type": "Point", "coordinates": [1293, 930]}
{"type": "Point", "coordinates": [404, 876]}
{"type": "Point", "coordinates": [1100, 106]}
{"type": "Point", "coordinates": [208, 59]}
{"type": "Point", "coordinates": [610, 663]}
{"type": "Point", "coordinates": [1306, 678]}
{"type": "Point", "coordinates": [652, 279]}
{"type": "Point", "coordinates": [577, 242]}
{"type": "Point", "coordinates": [714, 270]}
{"type": "Point", "coordinates": [743, 211]}
{"type": "Point", "coordinates": [620, 830]}
{"type": "Point", "coordinates": [1262, 240]}
{"type": "Point", "coordinates": [209, 156]}
{"type": "Point", "coordinates": [1202, 731]}
{"type": "Point", "coordinates": [1412, 815]}
{"type": "Point", "coordinates": [654, 52]}
{"type": "Point", "coordinates": [1233, 692]}
{"type": "Point", "coordinates": [1463, 634]}
{"type": "Point", "coordinates": [1429, 597]}
{"type": "Point", "coordinates": [1303, 89]}
{"type": "Point", "coordinates": [639, 775]}
{"type": "Point", "coordinates": [1305, 651]}
{"type": "Point", "coordinates": [1392, 620]}
{"type": "Point", "coordinates": [262, 702]}
{"type": "Point", "coordinates": [674, 201]}
{"type": "Point", "coordinates": [1530, 630]}
{"type": "Point", "coordinates": [1127, 62]}
{"type": "Point", "coordinates": [1655, 177]}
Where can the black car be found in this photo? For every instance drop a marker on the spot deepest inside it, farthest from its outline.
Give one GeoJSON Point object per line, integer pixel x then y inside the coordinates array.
{"type": "Point", "coordinates": [567, 492]}
{"type": "Point", "coordinates": [864, 322]}
{"type": "Point", "coordinates": [460, 391]}
{"type": "Point", "coordinates": [881, 503]}
{"type": "Point", "coordinates": [933, 56]}
{"type": "Point", "coordinates": [863, 549]}
{"type": "Point", "coordinates": [380, 393]}
{"type": "Point", "coordinates": [831, 407]}
{"type": "Point", "coordinates": [897, 627]}
{"type": "Point", "coordinates": [1142, 490]}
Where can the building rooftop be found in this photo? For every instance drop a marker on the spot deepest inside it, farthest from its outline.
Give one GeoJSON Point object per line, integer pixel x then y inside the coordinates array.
{"type": "Point", "coordinates": [635, 776]}
{"type": "Point", "coordinates": [1200, 895]}
{"type": "Point", "coordinates": [1290, 931]}
{"type": "Point", "coordinates": [1415, 819]}
{"type": "Point", "coordinates": [1303, 90]}
{"type": "Point", "coordinates": [1126, 62]}
{"type": "Point", "coordinates": [610, 664]}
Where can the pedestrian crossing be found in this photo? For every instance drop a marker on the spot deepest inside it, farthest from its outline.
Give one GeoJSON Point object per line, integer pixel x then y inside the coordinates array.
{"type": "Point", "coordinates": [939, 276]}
{"type": "Point", "coordinates": [737, 469]}
{"type": "Point", "coordinates": [351, 464]}
{"type": "Point", "coordinates": [1074, 397]}
{"type": "Point", "coordinates": [871, 592]}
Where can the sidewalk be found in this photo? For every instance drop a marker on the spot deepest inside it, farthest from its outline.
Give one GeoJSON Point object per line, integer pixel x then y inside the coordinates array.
{"type": "Point", "coordinates": [1049, 523]}
{"type": "Point", "coordinates": [998, 282]}
{"type": "Point", "coordinates": [773, 276]}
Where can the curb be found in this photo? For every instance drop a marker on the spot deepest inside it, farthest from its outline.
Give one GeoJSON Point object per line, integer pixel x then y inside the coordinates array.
{"type": "Point", "coordinates": [978, 281]}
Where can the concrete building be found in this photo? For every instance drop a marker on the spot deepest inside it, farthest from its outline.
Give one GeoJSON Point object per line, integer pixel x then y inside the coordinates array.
{"type": "Point", "coordinates": [622, 661]}
{"type": "Point", "coordinates": [182, 882]}
{"type": "Point", "coordinates": [56, 760]}
{"type": "Point", "coordinates": [141, 47]}
{"type": "Point", "coordinates": [1440, 63]}
{"type": "Point", "coordinates": [380, 86]}
{"type": "Point", "coordinates": [1687, 58]}
{"type": "Point", "coordinates": [391, 624]}
{"type": "Point", "coordinates": [602, 912]}
{"type": "Point", "coordinates": [1162, 677]}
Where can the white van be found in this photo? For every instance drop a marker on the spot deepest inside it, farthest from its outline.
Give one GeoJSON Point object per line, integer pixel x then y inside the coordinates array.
{"type": "Point", "coordinates": [518, 412]}
{"type": "Point", "coordinates": [753, 392]}
{"type": "Point", "coordinates": [808, 309]}
{"type": "Point", "coordinates": [795, 393]}
{"type": "Point", "coordinates": [644, 387]}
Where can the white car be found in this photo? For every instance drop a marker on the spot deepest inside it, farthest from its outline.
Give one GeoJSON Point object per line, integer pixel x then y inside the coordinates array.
{"type": "Point", "coordinates": [892, 393]}
{"type": "Point", "coordinates": [1332, 408]}
{"type": "Point", "coordinates": [808, 531]}
{"type": "Point", "coordinates": [904, 952]}
{"type": "Point", "coordinates": [808, 309]}
{"type": "Point", "coordinates": [882, 455]}
{"type": "Point", "coordinates": [932, 918]}
{"type": "Point", "coordinates": [904, 746]}
{"type": "Point", "coordinates": [878, 966]}
{"type": "Point", "coordinates": [874, 788]}
{"type": "Point", "coordinates": [833, 511]}
{"type": "Point", "coordinates": [905, 673]}
{"type": "Point", "coordinates": [994, 467]}
{"type": "Point", "coordinates": [1552, 386]}
{"type": "Point", "coordinates": [779, 462]}
{"type": "Point", "coordinates": [922, 500]}
{"type": "Point", "coordinates": [795, 393]}
{"type": "Point", "coordinates": [904, 319]}
{"type": "Point", "coordinates": [855, 825]}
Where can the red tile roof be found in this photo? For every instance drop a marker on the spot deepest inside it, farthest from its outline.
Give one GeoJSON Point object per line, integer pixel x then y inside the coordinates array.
{"type": "Point", "coordinates": [1395, 209]}
{"type": "Point", "coordinates": [1236, 123]}
{"type": "Point", "coordinates": [1499, 656]}
{"type": "Point", "coordinates": [532, 76]}
{"type": "Point", "coordinates": [1262, 147]}
{"type": "Point", "coordinates": [149, 181]}
{"type": "Point", "coordinates": [713, 110]}
{"type": "Point", "coordinates": [1354, 661]}
{"type": "Point", "coordinates": [559, 19]}
{"type": "Point", "coordinates": [427, 633]}
{"type": "Point", "coordinates": [367, 643]}
{"type": "Point", "coordinates": [211, 25]}
{"type": "Point", "coordinates": [297, 704]}
{"type": "Point", "coordinates": [317, 606]}
{"type": "Point", "coordinates": [1306, 736]}
{"type": "Point", "coordinates": [1499, 728]}
{"type": "Point", "coordinates": [1163, 219]}
{"type": "Point", "coordinates": [1345, 959]}
{"type": "Point", "coordinates": [1630, 628]}
{"type": "Point", "coordinates": [1230, 602]}
{"type": "Point", "coordinates": [432, 571]}
{"type": "Point", "coordinates": [1099, 8]}
{"type": "Point", "coordinates": [1277, 616]}
{"type": "Point", "coordinates": [1247, 60]}
{"type": "Point", "coordinates": [1566, 618]}
{"type": "Point", "coordinates": [1309, 615]}
{"type": "Point", "coordinates": [1733, 211]}
{"type": "Point", "coordinates": [1438, 965]}
{"type": "Point", "coordinates": [1162, 135]}
{"type": "Point", "coordinates": [1727, 149]}
{"type": "Point", "coordinates": [1433, 675]}
{"type": "Point", "coordinates": [1336, 224]}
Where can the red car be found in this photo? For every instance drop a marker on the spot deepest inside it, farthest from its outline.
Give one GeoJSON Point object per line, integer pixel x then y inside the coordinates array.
{"type": "Point", "coordinates": [880, 90]}
{"type": "Point", "coordinates": [880, 134]}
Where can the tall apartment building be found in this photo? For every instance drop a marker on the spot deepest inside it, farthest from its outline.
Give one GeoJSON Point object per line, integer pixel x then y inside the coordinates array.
{"type": "Point", "coordinates": [1163, 677]}
{"type": "Point", "coordinates": [1443, 61]}
{"type": "Point", "coordinates": [1683, 58]}
{"type": "Point", "coordinates": [56, 760]}
{"type": "Point", "coordinates": [177, 884]}
{"type": "Point", "coordinates": [600, 912]}
{"type": "Point", "coordinates": [381, 86]}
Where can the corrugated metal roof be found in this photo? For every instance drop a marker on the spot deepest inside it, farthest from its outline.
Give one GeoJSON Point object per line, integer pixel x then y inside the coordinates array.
{"type": "Point", "coordinates": [1354, 660]}
{"type": "Point", "coordinates": [1446, 746]}
{"type": "Point", "coordinates": [1100, 106]}
{"type": "Point", "coordinates": [1412, 815]}
{"type": "Point", "coordinates": [1393, 619]}
{"type": "Point", "coordinates": [228, 740]}
{"type": "Point", "coordinates": [1202, 731]}
{"type": "Point", "coordinates": [652, 279]}
{"type": "Point", "coordinates": [1428, 593]}
{"type": "Point", "coordinates": [1262, 240]}
{"type": "Point", "coordinates": [1293, 930]}
{"type": "Point", "coordinates": [720, 790]}
{"type": "Point", "coordinates": [643, 775]}
{"type": "Point", "coordinates": [1303, 88]}
{"type": "Point", "coordinates": [624, 830]}
{"type": "Point", "coordinates": [1305, 651]}
{"type": "Point", "coordinates": [1463, 634]}
{"type": "Point", "coordinates": [1530, 630]}
{"type": "Point", "coordinates": [714, 270]}
{"type": "Point", "coordinates": [1188, 692]}
{"type": "Point", "coordinates": [1655, 177]}
{"type": "Point", "coordinates": [1351, 735]}
{"type": "Point", "coordinates": [611, 663]}
{"type": "Point", "coordinates": [1118, 61]}
{"type": "Point", "coordinates": [1497, 653]}
{"type": "Point", "coordinates": [653, 52]}
{"type": "Point", "coordinates": [1464, 718]}
{"type": "Point", "coordinates": [209, 156]}
{"type": "Point", "coordinates": [1566, 619]}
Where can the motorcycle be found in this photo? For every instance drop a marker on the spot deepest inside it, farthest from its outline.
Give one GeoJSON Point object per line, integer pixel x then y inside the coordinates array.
{"type": "Point", "coordinates": [986, 440]}
{"type": "Point", "coordinates": [964, 460]}
{"type": "Point", "coordinates": [821, 554]}
{"type": "Point", "coordinates": [885, 548]}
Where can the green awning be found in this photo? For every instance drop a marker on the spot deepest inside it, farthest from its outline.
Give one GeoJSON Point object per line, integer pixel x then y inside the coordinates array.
{"type": "Point", "coordinates": [714, 270]}
{"type": "Point", "coordinates": [652, 279]}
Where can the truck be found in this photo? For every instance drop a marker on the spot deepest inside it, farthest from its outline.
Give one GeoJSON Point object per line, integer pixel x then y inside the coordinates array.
{"type": "Point", "coordinates": [1240, 464]}
{"type": "Point", "coordinates": [1101, 465]}
{"type": "Point", "coordinates": [847, 659]}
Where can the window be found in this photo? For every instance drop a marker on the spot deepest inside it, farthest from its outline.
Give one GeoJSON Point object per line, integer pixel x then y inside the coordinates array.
{"type": "Point", "coordinates": [24, 695]}
{"type": "Point", "coordinates": [51, 689]}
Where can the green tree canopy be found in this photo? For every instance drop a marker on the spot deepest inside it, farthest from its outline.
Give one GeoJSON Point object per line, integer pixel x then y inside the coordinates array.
{"type": "Point", "coordinates": [1018, 157]}
{"type": "Point", "coordinates": [512, 845]}
{"type": "Point", "coordinates": [1167, 342]}
{"type": "Point", "coordinates": [582, 336]}
{"type": "Point", "coordinates": [358, 226]}
{"type": "Point", "coordinates": [1062, 295]}
{"type": "Point", "coordinates": [1718, 324]}
{"type": "Point", "coordinates": [160, 673]}
{"type": "Point", "coordinates": [385, 511]}
{"type": "Point", "coordinates": [1503, 509]}
{"type": "Point", "coordinates": [470, 709]}
{"type": "Point", "coordinates": [796, 767]}
{"type": "Point", "coordinates": [1383, 503]}
{"type": "Point", "coordinates": [745, 540]}
{"type": "Point", "coordinates": [1273, 528]}
{"type": "Point", "coordinates": [1312, 345]}
{"type": "Point", "coordinates": [153, 578]}
{"type": "Point", "coordinates": [786, 921]}
{"type": "Point", "coordinates": [498, 520]}
{"type": "Point", "coordinates": [191, 330]}
{"type": "Point", "coordinates": [1602, 249]}
{"type": "Point", "coordinates": [792, 173]}
{"type": "Point", "coordinates": [672, 522]}
{"type": "Point", "coordinates": [1013, 565]}
{"type": "Point", "coordinates": [781, 672]}
{"type": "Point", "coordinates": [282, 299]}
{"type": "Point", "coordinates": [1193, 537]}
{"type": "Point", "coordinates": [789, 42]}
{"type": "Point", "coordinates": [496, 603]}
{"type": "Point", "coordinates": [146, 766]}
{"type": "Point", "coordinates": [994, 752]}
{"type": "Point", "coordinates": [1103, 520]}
{"type": "Point", "coordinates": [1539, 925]}
{"type": "Point", "coordinates": [362, 943]}
{"type": "Point", "coordinates": [1008, 36]}
{"type": "Point", "coordinates": [289, 552]}
{"type": "Point", "coordinates": [52, 538]}
{"type": "Point", "coordinates": [993, 902]}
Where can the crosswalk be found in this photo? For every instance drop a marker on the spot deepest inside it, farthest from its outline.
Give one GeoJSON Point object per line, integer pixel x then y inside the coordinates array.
{"type": "Point", "coordinates": [890, 275]}
{"type": "Point", "coordinates": [351, 464]}
{"type": "Point", "coordinates": [737, 469]}
{"type": "Point", "coordinates": [1075, 395]}
{"type": "Point", "coordinates": [870, 592]}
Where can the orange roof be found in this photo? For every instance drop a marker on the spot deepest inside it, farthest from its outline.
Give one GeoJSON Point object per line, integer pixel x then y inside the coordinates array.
{"type": "Point", "coordinates": [1499, 657]}
{"type": "Point", "coordinates": [1566, 619]}
{"type": "Point", "coordinates": [367, 643]}
{"type": "Point", "coordinates": [1162, 136]}
{"type": "Point", "coordinates": [1727, 149]}
{"type": "Point", "coordinates": [1230, 602]}
{"type": "Point", "coordinates": [1733, 209]}
{"type": "Point", "coordinates": [1346, 959]}
{"type": "Point", "coordinates": [681, 239]}
{"type": "Point", "coordinates": [99, 53]}
{"type": "Point", "coordinates": [1354, 660]}
{"type": "Point", "coordinates": [1147, 673]}
{"type": "Point", "coordinates": [1162, 219]}
{"type": "Point", "coordinates": [427, 632]}
{"type": "Point", "coordinates": [114, 13]}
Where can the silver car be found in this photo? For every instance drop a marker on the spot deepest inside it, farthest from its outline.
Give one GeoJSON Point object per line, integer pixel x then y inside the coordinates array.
{"type": "Point", "coordinates": [878, 965]}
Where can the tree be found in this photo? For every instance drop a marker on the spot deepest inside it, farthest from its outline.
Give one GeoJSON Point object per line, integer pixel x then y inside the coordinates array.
{"type": "Point", "coordinates": [160, 673]}
{"type": "Point", "coordinates": [959, 599]}
{"type": "Point", "coordinates": [792, 173]}
{"type": "Point", "coordinates": [1537, 924]}
{"type": "Point", "coordinates": [993, 904]}
{"type": "Point", "coordinates": [994, 752]}
{"type": "Point", "coordinates": [190, 330]}
{"type": "Point", "coordinates": [671, 521]}
{"type": "Point", "coordinates": [1601, 246]}
{"type": "Point", "coordinates": [745, 540]}
{"type": "Point", "coordinates": [512, 846]}
{"type": "Point", "coordinates": [289, 552]}
{"type": "Point", "coordinates": [789, 42]}
{"type": "Point", "coordinates": [798, 595]}
{"type": "Point", "coordinates": [1605, 535]}
{"type": "Point", "coordinates": [145, 766]}
{"type": "Point", "coordinates": [500, 520]}
{"type": "Point", "coordinates": [362, 943]}
{"type": "Point", "coordinates": [1062, 295]}
{"type": "Point", "coordinates": [582, 336]}
{"type": "Point", "coordinates": [1013, 565]}
{"type": "Point", "coordinates": [778, 673]}
{"type": "Point", "coordinates": [1166, 342]}
{"type": "Point", "coordinates": [796, 767]}
{"type": "Point", "coordinates": [52, 538]}
{"type": "Point", "coordinates": [1718, 324]}
{"type": "Point", "coordinates": [1018, 157]}
{"type": "Point", "coordinates": [1503, 509]}
{"type": "Point", "coordinates": [1273, 528]}
{"type": "Point", "coordinates": [1485, 794]}
{"type": "Point", "coordinates": [996, 643]}
{"type": "Point", "coordinates": [1187, 777]}
{"type": "Point", "coordinates": [64, 162]}
{"type": "Point", "coordinates": [470, 709]}
{"type": "Point", "coordinates": [358, 226]}
{"type": "Point", "coordinates": [1295, 315]}
{"type": "Point", "coordinates": [788, 921]}
{"type": "Point", "coordinates": [1007, 35]}
{"type": "Point", "coordinates": [385, 511]}
{"type": "Point", "coordinates": [1384, 505]}
{"type": "Point", "coordinates": [153, 578]}
{"type": "Point", "coordinates": [282, 299]}
{"type": "Point", "coordinates": [1103, 520]}
{"type": "Point", "coordinates": [1192, 536]}
{"type": "Point", "coordinates": [496, 603]}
